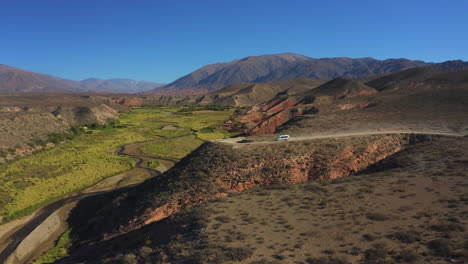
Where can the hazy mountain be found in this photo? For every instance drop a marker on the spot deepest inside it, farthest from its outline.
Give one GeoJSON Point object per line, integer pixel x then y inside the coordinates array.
{"type": "Point", "coordinates": [269, 68]}
{"type": "Point", "coordinates": [118, 85]}
{"type": "Point", "coordinates": [15, 80]}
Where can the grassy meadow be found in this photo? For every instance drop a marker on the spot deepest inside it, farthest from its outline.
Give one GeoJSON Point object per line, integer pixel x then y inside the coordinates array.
{"type": "Point", "coordinates": [90, 157]}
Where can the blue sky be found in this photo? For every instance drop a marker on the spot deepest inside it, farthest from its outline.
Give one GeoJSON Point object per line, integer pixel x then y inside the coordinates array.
{"type": "Point", "coordinates": [163, 40]}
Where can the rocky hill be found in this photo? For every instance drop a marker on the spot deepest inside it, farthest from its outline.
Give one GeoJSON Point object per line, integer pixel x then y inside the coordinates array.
{"type": "Point", "coordinates": [398, 100]}
{"type": "Point", "coordinates": [24, 118]}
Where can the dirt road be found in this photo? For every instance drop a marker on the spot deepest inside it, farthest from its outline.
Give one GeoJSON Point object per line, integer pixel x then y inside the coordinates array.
{"type": "Point", "coordinates": [242, 141]}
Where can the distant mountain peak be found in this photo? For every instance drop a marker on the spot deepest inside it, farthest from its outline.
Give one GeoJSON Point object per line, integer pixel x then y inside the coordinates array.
{"type": "Point", "coordinates": [15, 80]}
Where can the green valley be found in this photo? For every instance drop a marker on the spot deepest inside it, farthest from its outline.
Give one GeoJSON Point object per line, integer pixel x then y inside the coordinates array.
{"type": "Point", "coordinates": [90, 157]}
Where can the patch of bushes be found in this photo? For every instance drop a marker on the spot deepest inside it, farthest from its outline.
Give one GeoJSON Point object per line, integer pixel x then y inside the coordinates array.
{"type": "Point", "coordinates": [60, 250]}
{"type": "Point", "coordinates": [369, 237]}
{"type": "Point", "coordinates": [223, 219]}
{"type": "Point", "coordinates": [448, 227]}
{"type": "Point", "coordinates": [406, 237]}
{"type": "Point", "coordinates": [327, 260]}
{"type": "Point", "coordinates": [315, 188]}
{"type": "Point", "coordinates": [408, 256]}
{"type": "Point", "coordinates": [441, 247]}
{"type": "Point", "coordinates": [376, 216]}
{"type": "Point", "coordinates": [219, 254]}
{"type": "Point", "coordinates": [378, 254]}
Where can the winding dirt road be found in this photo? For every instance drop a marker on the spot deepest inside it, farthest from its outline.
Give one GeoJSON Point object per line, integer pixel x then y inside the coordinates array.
{"type": "Point", "coordinates": [25, 239]}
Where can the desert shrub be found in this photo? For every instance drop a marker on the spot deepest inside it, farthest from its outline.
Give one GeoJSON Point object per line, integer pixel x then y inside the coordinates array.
{"type": "Point", "coordinates": [341, 189]}
{"type": "Point", "coordinates": [369, 237]}
{"type": "Point", "coordinates": [327, 260]}
{"type": "Point", "coordinates": [60, 250]}
{"type": "Point", "coordinates": [264, 261]}
{"type": "Point", "coordinates": [355, 251]}
{"type": "Point", "coordinates": [217, 254]}
{"type": "Point", "coordinates": [448, 227]}
{"type": "Point", "coordinates": [278, 187]}
{"type": "Point", "coordinates": [408, 256]}
{"type": "Point", "coordinates": [315, 188]}
{"type": "Point", "coordinates": [145, 252]}
{"type": "Point", "coordinates": [223, 219]}
{"type": "Point", "coordinates": [208, 129]}
{"type": "Point", "coordinates": [152, 164]}
{"type": "Point", "coordinates": [250, 219]}
{"type": "Point", "coordinates": [441, 247]}
{"type": "Point", "coordinates": [376, 216]}
{"type": "Point", "coordinates": [328, 251]}
{"type": "Point", "coordinates": [59, 137]}
{"type": "Point", "coordinates": [77, 130]}
{"type": "Point", "coordinates": [279, 257]}
{"type": "Point", "coordinates": [376, 255]}
{"type": "Point", "coordinates": [129, 259]}
{"type": "Point", "coordinates": [406, 237]}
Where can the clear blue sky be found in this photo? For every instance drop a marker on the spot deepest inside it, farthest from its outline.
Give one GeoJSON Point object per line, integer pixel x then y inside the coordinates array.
{"type": "Point", "coordinates": [160, 41]}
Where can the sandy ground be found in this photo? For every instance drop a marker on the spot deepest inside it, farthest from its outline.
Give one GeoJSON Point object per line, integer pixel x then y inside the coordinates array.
{"type": "Point", "coordinates": [43, 237]}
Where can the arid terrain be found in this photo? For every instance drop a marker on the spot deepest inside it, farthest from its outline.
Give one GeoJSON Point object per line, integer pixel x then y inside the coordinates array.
{"type": "Point", "coordinates": [234, 132]}
{"type": "Point", "coordinates": [375, 171]}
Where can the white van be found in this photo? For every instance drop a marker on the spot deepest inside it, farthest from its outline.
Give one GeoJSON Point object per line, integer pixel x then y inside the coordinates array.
{"type": "Point", "coordinates": [282, 137]}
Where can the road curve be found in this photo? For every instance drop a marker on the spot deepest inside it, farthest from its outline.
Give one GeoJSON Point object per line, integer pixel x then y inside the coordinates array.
{"type": "Point", "coordinates": [240, 141]}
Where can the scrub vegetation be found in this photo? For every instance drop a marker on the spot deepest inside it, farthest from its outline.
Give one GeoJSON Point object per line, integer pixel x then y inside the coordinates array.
{"type": "Point", "coordinates": [59, 251]}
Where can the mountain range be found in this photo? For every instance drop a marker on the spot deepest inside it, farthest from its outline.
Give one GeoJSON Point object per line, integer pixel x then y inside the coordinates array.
{"type": "Point", "coordinates": [279, 67]}
{"type": "Point", "coordinates": [15, 80]}
{"type": "Point", "coordinates": [213, 77]}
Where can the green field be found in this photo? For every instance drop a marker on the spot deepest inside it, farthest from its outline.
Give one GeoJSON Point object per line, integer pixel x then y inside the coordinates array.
{"type": "Point", "coordinates": [90, 157]}
{"type": "Point", "coordinates": [173, 148]}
